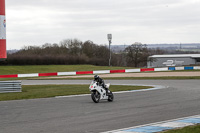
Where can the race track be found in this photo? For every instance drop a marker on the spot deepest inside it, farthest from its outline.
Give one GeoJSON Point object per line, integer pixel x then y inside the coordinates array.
{"type": "Point", "coordinates": [179, 98]}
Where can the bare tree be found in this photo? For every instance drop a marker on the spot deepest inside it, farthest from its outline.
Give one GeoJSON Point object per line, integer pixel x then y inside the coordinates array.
{"type": "Point", "coordinates": [137, 54]}
{"type": "Point", "coordinates": [88, 48]}
{"type": "Point", "coordinates": [74, 46]}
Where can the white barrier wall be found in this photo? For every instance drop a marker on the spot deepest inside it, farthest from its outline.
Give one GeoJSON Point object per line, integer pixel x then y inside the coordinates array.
{"type": "Point", "coordinates": [101, 72]}
{"type": "Point", "coordinates": [28, 75]}
{"type": "Point", "coordinates": [66, 73]}
{"type": "Point", "coordinates": [161, 69]}
{"type": "Point", "coordinates": [179, 68]}
{"type": "Point", "coordinates": [196, 67]}
{"type": "Point", "coordinates": [132, 70]}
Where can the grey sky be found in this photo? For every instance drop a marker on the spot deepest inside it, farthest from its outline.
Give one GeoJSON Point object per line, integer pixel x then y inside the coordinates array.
{"type": "Point", "coordinates": [35, 22]}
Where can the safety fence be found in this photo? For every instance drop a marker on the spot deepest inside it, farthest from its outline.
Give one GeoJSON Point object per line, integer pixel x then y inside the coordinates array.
{"type": "Point", "coordinates": [10, 86]}
{"type": "Point", "coordinates": [100, 72]}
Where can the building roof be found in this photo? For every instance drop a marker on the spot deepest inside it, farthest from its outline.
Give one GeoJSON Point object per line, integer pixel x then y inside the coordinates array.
{"type": "Point", "coordinates": [176, 56]}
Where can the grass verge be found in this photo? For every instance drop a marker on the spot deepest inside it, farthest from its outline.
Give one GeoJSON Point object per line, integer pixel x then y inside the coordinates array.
{"type": "Point", "coordinates": [6, 70]}
{"type": "Point", "coordinates": [190, 129]}
{"type": "Point", "coordinates": [46, 91]}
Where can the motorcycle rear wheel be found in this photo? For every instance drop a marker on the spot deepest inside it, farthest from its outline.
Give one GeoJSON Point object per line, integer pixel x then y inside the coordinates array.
{"type": "Point", "coordinates": [110, 97]}
{"type": "Point", "coordinates": [95, 96]}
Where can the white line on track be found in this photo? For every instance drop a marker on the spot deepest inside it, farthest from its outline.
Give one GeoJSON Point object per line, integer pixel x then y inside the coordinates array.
{"type": "Point", "coordinates": [156, 123]}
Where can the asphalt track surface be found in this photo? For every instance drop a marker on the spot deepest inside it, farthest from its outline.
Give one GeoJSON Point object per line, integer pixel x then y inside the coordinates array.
{"type": "Point", "coordinates": [179, 98]}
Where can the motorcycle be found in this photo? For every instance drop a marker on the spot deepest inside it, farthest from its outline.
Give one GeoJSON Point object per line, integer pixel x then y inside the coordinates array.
{"type": "Point", "coordinates": [99, 93]}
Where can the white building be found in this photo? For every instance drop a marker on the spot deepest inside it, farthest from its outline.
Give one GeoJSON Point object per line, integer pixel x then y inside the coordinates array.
{"type": "Point", "coordinates": [173, 60]}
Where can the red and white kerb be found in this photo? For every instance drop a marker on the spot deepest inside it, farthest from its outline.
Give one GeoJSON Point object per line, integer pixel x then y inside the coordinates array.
{"type": "Point", "coordinates": [2, 30]}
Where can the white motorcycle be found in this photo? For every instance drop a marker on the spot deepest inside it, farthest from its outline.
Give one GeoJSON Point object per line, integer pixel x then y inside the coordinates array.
{"type": "Point", "coordinates": [99, 93]}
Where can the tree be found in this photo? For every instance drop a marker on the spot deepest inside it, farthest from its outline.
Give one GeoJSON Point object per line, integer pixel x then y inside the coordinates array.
{"type": "Point", "coordinates": [137, 54]}
{"type": "Point", "coordinates": [69, 51]}
{"type": "Point", "coordinates": [88, 48]}
{"type": "Point", "coordinates": [73, 45]}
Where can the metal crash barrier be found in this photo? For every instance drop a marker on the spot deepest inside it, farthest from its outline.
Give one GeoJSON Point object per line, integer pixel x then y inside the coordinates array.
{"type": "Point", "coordinates": [10, 86]}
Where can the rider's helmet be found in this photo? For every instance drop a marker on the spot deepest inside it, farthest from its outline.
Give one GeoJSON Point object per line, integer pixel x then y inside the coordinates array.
{"type": "Point", "coordinates": [96, 77]}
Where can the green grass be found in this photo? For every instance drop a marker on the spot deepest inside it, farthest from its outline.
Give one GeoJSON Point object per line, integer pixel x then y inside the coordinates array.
{"type": "Point", "coordinates": [45, 91]}
{"type": "Point", "coordinates": [6, 70]}
{"type": "Point", "coordinates": [190, 129]}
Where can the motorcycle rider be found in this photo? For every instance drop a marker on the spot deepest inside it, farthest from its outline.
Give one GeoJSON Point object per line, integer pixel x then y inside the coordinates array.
{"type": "Point", "coordinates": [100, 82]}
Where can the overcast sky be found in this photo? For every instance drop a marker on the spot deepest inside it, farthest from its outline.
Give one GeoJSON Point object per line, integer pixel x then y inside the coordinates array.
{"type": "Point", "coordinates": [35, 22]}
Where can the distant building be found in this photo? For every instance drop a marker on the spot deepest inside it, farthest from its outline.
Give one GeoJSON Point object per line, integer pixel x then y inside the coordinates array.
{"type": "Point", "coordinates": [173, 60]}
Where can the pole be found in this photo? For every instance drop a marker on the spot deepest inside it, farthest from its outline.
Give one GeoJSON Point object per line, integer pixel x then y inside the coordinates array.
{"type": "Point", "coordinates": [3, 54]}
{"type": "Point", "coordinates": [109, 39]}
{"type": "Point", "coordinates": [109, 53]}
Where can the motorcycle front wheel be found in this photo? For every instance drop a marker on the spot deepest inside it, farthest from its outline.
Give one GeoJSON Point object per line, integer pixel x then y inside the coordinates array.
{"type": "Point", "coordinates": [95, 96]}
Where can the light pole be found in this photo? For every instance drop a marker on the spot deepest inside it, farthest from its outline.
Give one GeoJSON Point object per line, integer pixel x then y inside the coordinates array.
{"type": "Point", "coordinates": [109, 39]}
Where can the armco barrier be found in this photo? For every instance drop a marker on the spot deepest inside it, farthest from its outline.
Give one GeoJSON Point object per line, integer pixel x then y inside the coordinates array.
{"type": "Point", "coordinates": [10, 86]}
{"type": "Point", "coordinates": [100, 72]}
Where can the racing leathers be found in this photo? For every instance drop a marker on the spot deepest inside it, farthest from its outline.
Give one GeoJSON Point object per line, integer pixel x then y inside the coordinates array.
{"type": "Point", "coordinates": [101, 82]}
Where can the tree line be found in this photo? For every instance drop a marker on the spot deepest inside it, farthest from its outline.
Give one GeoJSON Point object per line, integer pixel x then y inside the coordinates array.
{"type": "Point", "coordinates": [74, 51]}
